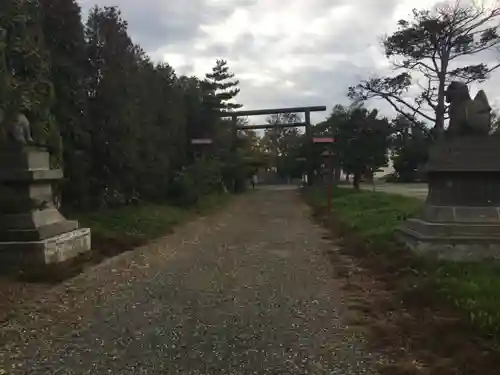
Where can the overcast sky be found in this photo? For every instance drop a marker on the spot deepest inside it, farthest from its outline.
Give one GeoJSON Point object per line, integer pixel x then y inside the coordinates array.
{"type": "Point", "coordinates": [285, 53]}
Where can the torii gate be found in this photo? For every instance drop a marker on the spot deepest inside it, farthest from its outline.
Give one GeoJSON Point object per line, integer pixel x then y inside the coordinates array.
{"type": "Point", "coordinates": [274, 111]}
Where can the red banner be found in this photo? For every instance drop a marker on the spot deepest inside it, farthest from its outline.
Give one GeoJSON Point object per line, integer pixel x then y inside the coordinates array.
{"type": "Point", "coordinates": [324, 140]}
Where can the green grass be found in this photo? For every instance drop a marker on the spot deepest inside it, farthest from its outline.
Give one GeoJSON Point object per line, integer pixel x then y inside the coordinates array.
{"type": "Point", "coordinates": [475, 289]}
{"type": "Point", "coordinates": [374, 216]}
{"type": "Point", "coordinates": [147, 221]}
{"type": "Point", "coordinates": [144, 222]}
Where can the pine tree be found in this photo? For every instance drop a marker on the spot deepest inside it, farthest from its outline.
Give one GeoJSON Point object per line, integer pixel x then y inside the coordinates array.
{"type": "Point", "coordinates": [221, 87]}
{"type": "Point", "coordinates": [437, 45]}
{"type": "Point", "coordinates": [219, 90]}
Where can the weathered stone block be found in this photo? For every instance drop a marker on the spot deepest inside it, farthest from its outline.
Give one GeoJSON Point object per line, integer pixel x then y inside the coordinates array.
{"type": "Point", "coordinates": [459, 249]}
{"type": "Point", "coordinates": [31, 220]}
{"type": "Point", "coordinates": [31, 175]}
{"type": "Point", "coordinates": [449, 230]}
{"type": "Point", "coordinates": [438, 214]}
{"type": "Point", "coordinates": [460, 219]}
{"type": "Point", "coordinates": [39, 233]}
{"type": "Point", "coordinates": [61, 248]}
{"type": "Point", "coordinates": [53, 250]}
{"type": "Point", "coordinates": [30, 159]}
{"type": "Point", "coordinates": [33, 233]}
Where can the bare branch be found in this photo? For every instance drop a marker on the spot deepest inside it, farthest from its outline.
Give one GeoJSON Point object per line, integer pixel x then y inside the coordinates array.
{"type": "Point", "coordinates": [391, 97]}
{"type": "Point", "coordinates": [413, 65]}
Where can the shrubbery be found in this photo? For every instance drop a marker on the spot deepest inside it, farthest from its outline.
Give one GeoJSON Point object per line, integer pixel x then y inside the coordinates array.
{"type": "Point", "coordinates": [120, 124]}
{"type": "Point", "coordinates": [203, 177]}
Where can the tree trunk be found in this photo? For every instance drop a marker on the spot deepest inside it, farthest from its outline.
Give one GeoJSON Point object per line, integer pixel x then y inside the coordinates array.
{"type": "Point", "coordinates": [441, 105]}
{"type": "Point", "coordinates": [338, 172]}
{"type": "Point", "coordinates": [356, 179]}
{"type": "Point", "coordinates": [440, 111]}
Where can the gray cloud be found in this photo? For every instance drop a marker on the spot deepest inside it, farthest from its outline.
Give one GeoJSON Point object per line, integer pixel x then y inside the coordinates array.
{"type": "Point", "coordinates": [157, 23]}
{"type": "Point", "coordinates": [312, 87]}
{"type": "Point", "coordinates": [299, 52]}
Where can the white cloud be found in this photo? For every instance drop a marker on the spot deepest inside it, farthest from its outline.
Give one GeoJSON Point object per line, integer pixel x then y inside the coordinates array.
{"type": "Point", "coordinates": [285, 53]}
{"type": "Point", "coordinates": [229, 30]}
{"type": "Point", "coordinates": [175, 59]}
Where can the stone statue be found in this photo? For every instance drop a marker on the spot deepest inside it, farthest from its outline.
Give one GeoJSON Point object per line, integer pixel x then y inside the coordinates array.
{"type": "Point", "coordinates": [467, 116]}
{"type": "Point", "coordinates": [18, 131]}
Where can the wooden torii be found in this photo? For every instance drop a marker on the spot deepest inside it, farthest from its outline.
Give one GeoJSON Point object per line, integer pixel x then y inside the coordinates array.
{"type": "Point", "coordinates": [274, 111]}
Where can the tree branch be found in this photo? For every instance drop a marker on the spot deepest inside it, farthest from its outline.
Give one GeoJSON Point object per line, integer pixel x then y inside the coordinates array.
{"type": "Point", "coordinates": [466, 30]}
{"type": "Point", "coordinates": [391, 97]}
{"type": "Point", "coordinates": [410, 118]}
{"type": "Point", "coordinates": [412, 65]}
{"type": "Point", "coordinates": [473, 51]}
{"type": "Point", "coordinates": [427, 94]}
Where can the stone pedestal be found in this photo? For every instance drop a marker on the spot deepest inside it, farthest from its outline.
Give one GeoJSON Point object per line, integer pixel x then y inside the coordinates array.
{"type": "Point", "coordinates": [461, 216]}
{"type": "Point", "coordinates": [33, 233]}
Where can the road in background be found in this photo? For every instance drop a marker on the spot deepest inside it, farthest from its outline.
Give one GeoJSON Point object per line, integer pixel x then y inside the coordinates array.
{"type": "Point", "coordinates": [417, 190]}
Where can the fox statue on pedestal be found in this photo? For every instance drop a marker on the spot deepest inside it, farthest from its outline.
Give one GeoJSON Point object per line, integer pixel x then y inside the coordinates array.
{"type": "Point", "coordinates": [467, 116]}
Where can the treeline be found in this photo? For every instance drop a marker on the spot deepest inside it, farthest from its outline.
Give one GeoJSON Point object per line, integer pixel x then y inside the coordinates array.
{"type": "Point", "coordinates": [362, 142]}
{"type": "Point", "coordinates": [118, 123]}
{"type": "Point", "coordinates": [429, 50]}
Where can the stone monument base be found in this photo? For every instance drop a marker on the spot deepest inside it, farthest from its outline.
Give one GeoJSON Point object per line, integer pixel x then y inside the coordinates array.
{"type": "Point", "coordinates": [460, 220]}
{"type": "Point", "coordinates": [452, 241]}
{"type": "Point", "coordinates": [33, 255]}
{"type": "Point", "coordinates": [36, 240]}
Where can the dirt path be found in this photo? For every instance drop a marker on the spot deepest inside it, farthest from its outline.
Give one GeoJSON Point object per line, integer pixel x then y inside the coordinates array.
{"type": "Point", "coordinates": [247, 291]}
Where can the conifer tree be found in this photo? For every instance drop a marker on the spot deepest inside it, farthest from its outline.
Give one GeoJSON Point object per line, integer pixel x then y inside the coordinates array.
{"type": "Point", "coordinates": [64, 37]}
{"type": "Point", "coordinates": [222, 88]}
{"type": "Point", "coordinates": [28, 88]}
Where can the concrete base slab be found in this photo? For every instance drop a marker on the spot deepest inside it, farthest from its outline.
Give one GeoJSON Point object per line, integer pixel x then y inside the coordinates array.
{"type": "Point", "coordinates": [50, 251]}
{"type": "Point", "coordinates": [452, 229]}
{"type": "Point", "coordinates": [454, 248]}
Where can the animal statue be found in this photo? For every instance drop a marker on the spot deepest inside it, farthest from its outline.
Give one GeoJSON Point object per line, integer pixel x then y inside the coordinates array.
{"type": "Point", "coordinates": [467, 116]}
{"type": "Point", "coordinates": [17, 131]}
{"type": "Point", "coordinates": [20, 130]}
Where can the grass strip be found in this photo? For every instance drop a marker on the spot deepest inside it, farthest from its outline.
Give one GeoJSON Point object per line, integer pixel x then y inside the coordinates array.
{"type": "Point", "coordinates": [373, 217]}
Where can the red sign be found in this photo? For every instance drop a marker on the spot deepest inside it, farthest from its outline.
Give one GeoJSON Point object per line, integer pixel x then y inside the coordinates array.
{"type": "Point", "coordinates": [324, 140]}
{"type": "Point", "coordinates": [201, 141]}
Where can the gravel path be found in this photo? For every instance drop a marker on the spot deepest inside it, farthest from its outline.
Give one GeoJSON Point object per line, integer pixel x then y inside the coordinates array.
{"type": "Point", "coordinates": [246, 291]}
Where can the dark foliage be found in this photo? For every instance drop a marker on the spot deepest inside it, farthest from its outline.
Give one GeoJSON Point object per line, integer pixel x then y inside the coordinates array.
{"type": "Point", "coordinates": [120, 124]}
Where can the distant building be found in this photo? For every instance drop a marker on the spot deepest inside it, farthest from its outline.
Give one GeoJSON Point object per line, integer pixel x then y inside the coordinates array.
{"type": "Point", "coordinates": [385, 170]}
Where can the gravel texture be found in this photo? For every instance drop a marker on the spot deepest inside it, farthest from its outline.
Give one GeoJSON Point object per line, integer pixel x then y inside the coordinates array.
{"type": "Point", "coordinates": [246, 291]}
